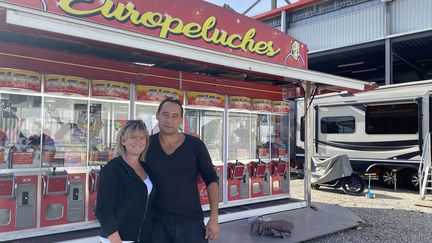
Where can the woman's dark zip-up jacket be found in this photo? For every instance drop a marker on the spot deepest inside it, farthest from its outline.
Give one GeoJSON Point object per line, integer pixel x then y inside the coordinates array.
{"type": "Point", "coordinates": [122, 202]}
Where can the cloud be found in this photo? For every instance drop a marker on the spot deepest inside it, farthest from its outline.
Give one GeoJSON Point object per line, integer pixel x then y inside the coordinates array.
{"type": "Point", "coordinates": [242, 5]}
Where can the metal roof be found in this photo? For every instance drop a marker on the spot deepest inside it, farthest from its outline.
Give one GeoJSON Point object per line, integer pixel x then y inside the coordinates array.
{"type": "Point", "coordinates": [289, 7]}
{"type": "Point", "coordinates": [412, 60]}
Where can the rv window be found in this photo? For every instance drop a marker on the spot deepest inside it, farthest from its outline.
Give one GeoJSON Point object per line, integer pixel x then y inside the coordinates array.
{"type": "Point", "coordinates": [339, 124]}
{"type": "Point", "coordinates": [392, 119]}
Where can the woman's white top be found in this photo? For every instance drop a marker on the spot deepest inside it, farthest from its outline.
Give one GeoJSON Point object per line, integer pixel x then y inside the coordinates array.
{"type": "Point", "coordinates": [149, 185]}
{"type": "Point", "coordinates": [105, 240]}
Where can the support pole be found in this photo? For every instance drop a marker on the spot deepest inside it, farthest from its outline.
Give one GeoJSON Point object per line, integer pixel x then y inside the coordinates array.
{"type": "Point", "coordinates": [273, 4]}
{"type": "Point", "coordinates": [388, 44]}
{"type": "Point", "coordinates": [388, 62]}
{"type": "Point", "coordinates": [283, 26]}
{"type": "Point", "coordinates": [307, 86]}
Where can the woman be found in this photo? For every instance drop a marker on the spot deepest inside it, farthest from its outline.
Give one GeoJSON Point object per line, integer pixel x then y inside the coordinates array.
{"type": "Point", "coordinates": [126, 193]}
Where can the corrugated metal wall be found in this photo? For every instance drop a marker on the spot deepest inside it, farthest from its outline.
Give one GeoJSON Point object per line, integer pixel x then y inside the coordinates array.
{"type": "Point", "coordinates": [365, 25]}
{"type": "Point", "coordinates": [344, 30]}
{"type": "Point", "coordinates": [411, 15]}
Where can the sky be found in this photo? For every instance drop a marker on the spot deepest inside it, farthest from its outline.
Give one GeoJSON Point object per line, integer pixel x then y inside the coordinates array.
{"type": "Point", "coordinates": [241, 5]}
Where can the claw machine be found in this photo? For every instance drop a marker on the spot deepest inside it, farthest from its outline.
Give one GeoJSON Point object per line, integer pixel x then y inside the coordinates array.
{"type": "Point", "coordinates": [64, 153]}
{"type": "Point", "coordinates": [240, 144]}
{"type": "Point", "coordinates": [108, 111]}
{"type": "Point", "coordinates": [259, 167]}
{"type": "Point", "coordinates": [147, 102]}
{"type": "Point", "coordinates": [280, 164]}
{"type": "Point", "coordinates": [203, 118]}
{"type": "Point", "coordinates": [20, 148]}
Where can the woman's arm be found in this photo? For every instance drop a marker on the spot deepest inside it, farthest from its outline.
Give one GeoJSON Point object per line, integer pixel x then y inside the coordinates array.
{"type": "Point", "coordinates": [106, 199]}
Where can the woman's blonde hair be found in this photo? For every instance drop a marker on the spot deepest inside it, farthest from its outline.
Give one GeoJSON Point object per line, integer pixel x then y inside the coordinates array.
{"type": "Point", "coordinates": [128, 128]}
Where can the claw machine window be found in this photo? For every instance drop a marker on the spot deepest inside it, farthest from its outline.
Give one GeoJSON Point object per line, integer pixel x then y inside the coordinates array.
{"type": "Point", "coordinates": [263, 144]}
{"type": "Point", "coordinates": [106, 119]}
{"type": "Point", "coordinates": [20, 131]}
{"type": "Point", "coordinates": [20, 119]}
{"type": "Point", "coordinates": [262, 109]}
{"type": "Point", "coordinates": [204, 119]}
{"type": "Point", "coordinates": [148, 100]}
{"type": "Point", "coordinates": [65, 121]}
{"type": "Point", "coordinates": [207, 125]}
{"type": "Point", "coordinates": [241, 132]}
{"type": "Point", "coordinates": [147, 113]}
{"type": "Point", "coordinates": [280, 135]}
{"type": "Point", "coordinates": [107, 114]}
{"type": "Point", "coordinates": [241, 128]}
{"type": "Point", "coordinates": [280, 129]}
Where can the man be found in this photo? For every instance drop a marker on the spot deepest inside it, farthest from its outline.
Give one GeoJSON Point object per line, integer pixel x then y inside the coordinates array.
{"type": "Point", "coordinates": [176, 159]}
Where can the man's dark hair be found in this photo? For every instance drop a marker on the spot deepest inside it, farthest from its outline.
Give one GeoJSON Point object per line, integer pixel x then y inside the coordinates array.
{"type": "Point", "coordinates": [172, 100]}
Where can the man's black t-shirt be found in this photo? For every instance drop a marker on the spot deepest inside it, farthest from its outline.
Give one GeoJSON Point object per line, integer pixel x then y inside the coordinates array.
{"type": "Point", "coordinates": [175, 177]}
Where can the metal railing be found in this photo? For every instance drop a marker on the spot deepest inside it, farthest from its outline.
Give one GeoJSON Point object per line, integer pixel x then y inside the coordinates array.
{"type": "Point", "coordinates": [425, 166]}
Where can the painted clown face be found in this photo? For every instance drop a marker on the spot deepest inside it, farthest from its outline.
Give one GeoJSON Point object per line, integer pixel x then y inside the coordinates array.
{"type": "Point", "coordinates": [295, 50]}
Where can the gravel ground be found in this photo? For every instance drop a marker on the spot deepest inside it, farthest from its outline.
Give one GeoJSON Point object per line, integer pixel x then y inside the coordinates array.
{"type": "Point", "coordinates": [392, 216]}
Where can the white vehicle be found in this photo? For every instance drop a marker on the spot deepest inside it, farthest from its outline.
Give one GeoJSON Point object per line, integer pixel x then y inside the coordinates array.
{"type": "Point", "coordinates": [381, 131]}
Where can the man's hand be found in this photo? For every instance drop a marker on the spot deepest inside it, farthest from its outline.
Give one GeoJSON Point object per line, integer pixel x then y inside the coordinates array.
{"type": "Point", "coordinates": [212, 229]}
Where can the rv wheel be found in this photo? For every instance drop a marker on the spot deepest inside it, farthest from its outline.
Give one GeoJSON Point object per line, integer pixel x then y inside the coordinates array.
{"type": "Point", "coordinates": [386, 178]}
{"type": "Point", "coordinates": [412, 180]}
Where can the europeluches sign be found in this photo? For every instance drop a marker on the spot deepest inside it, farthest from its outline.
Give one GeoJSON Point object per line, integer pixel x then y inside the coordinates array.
{"type": "Point", "coordinates": [167, 25]}
{"type": "Point", "coordinates": [193, 22]}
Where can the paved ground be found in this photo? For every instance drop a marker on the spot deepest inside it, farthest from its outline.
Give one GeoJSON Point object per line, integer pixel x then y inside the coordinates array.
{"type": "Point", "coordinates": [309, 223]}
{"type": "Point", "coordinates": [393, 216]}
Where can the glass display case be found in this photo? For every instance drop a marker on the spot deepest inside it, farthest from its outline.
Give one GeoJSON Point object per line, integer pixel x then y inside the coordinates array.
{"type": "Point", "coordinates": [147, 113]}
{"type": "Point", "coordinates": [106, 119]}
{"type": "Point", "coordinates": [207, 125]}
{"type": "Point", "coordinates": [20, 131]}
{"type": "Point", "coordinates": [280, 129]}
{"type": "Point", "coordinates": [65, 121]}
{"type": "Point", "coordinates": [279, 136]}
{"type": "Point", "coordinates": [262, 109]}
{"type": "Point", "coordinates": [70, 128]}
{"type": "Point", "coordinates": [148, 100]}
{"type": "Point", "coordinates": [242, 129]}
{"type": "Point", "coordinates": [108, 111]}
{"type": "Point", "coordinates": [263, 135]}
{"type": "Point", "coordinates": [204, 119]}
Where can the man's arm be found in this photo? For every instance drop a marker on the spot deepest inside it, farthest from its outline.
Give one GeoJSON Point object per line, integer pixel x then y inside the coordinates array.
{"type": "Point", "coordinates": [208, 173]}
{"type": "Point", "coordinates": [212, 227]}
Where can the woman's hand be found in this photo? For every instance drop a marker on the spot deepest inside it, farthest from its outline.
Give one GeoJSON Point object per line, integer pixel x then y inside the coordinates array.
{"type": "Point", "coordinates": [114, 238]}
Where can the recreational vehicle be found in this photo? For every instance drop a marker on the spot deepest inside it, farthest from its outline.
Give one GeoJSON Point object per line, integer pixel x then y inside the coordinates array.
{"type": "Point", "coordinates": [381, 131]}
